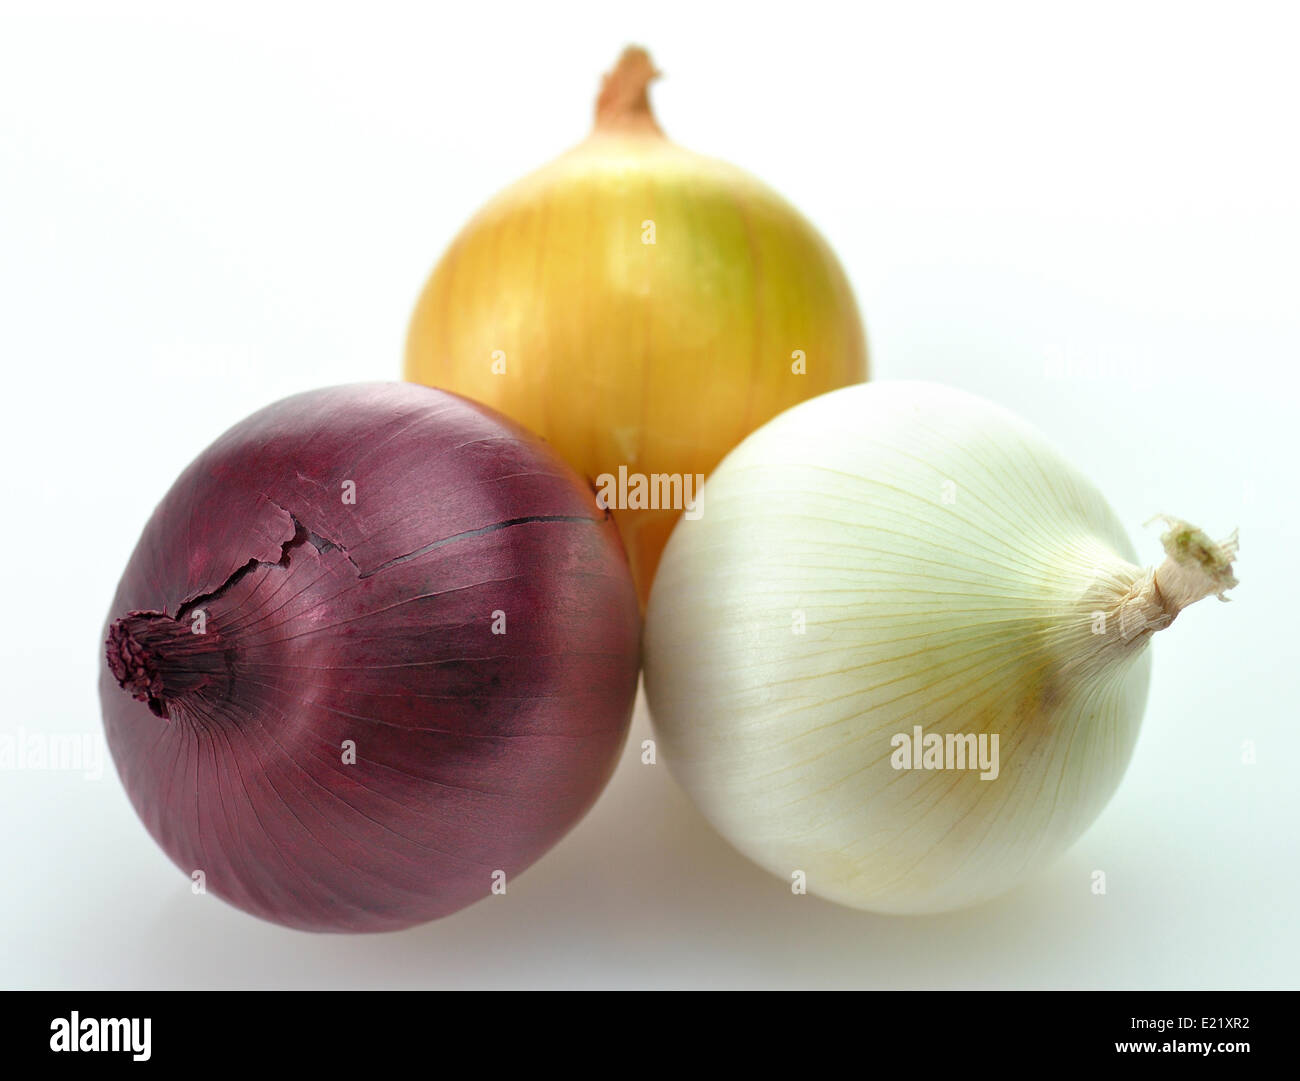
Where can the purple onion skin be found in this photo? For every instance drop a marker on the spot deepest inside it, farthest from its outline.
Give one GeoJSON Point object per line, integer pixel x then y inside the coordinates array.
{"type": "Point", "coordinates": [371, 621]}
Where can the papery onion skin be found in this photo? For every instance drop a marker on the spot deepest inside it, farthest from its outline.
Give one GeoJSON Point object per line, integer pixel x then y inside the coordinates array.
{"type": "Point", "coordinates": [660, 356]}
{"type": "Point", "coordinates": [371, 621]}
{"type": "Point", "coordinates": [947, 565]}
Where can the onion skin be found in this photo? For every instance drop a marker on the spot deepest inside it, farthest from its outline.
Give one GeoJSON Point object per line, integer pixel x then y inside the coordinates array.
{"type": "Point", "coordinates": [371, 621]}
{"type": "Point", "coordinates": [655, 356]}
{"type": "Point", "coordinates": [831, 597]}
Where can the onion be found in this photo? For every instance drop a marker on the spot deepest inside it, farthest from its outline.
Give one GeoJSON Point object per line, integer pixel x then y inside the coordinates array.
{"type": "Point", "coordinates": [902, 655]}
{"type": "Point", "coordinates": [375, 652]}
{"type": "Point", "coordinates": [641, 307]}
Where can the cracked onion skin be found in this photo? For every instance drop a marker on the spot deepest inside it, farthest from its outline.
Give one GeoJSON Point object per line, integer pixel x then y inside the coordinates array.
{"type": "Point", "coordinates": [552, 306]}
{"type": "Point", "coordinates": [326, 621]}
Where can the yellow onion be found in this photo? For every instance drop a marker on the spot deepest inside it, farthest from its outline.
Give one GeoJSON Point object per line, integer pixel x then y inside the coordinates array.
{"type": "Point", "coordinates": [642, 308]}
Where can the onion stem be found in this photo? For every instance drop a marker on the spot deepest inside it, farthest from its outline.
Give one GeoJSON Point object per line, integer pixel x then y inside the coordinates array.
{"type": "Point", "coordinates": [161, 661]}
{"type": "Point", "coordinates": [623, 104]}
{"type": "Point", "coordinates": [1194, 568]}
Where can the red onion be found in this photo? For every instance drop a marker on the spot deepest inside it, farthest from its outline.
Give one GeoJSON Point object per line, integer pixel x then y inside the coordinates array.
{"type": "Point", "coordinates": [339, 567]}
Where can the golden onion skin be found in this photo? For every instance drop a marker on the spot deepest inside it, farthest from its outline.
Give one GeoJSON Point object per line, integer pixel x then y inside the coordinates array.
{"type": "Point", "coordinates": [638, 305]}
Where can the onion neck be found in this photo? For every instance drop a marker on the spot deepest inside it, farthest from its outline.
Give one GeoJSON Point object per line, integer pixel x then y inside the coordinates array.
{"type": "Point", "coordinates": [623, 105]}
{"type": "Point", "coordinates": [163, 661]}
{"type": "Point", "coordinates": [1122, 617]}
{"type": "Point", "coordinates": [1194, 568]}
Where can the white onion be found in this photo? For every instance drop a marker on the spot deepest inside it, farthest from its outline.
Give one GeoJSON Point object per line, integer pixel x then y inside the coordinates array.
{"type": "Point", "coordinates": [894, 555]}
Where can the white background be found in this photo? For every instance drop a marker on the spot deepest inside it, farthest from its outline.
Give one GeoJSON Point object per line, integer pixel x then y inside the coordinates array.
{"type": "Point", "coordinates": [1086, 212]}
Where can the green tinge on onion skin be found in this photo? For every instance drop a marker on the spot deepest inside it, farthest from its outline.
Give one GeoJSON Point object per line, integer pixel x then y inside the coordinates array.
{"type": "Point", "coordinates": [894, 555]}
